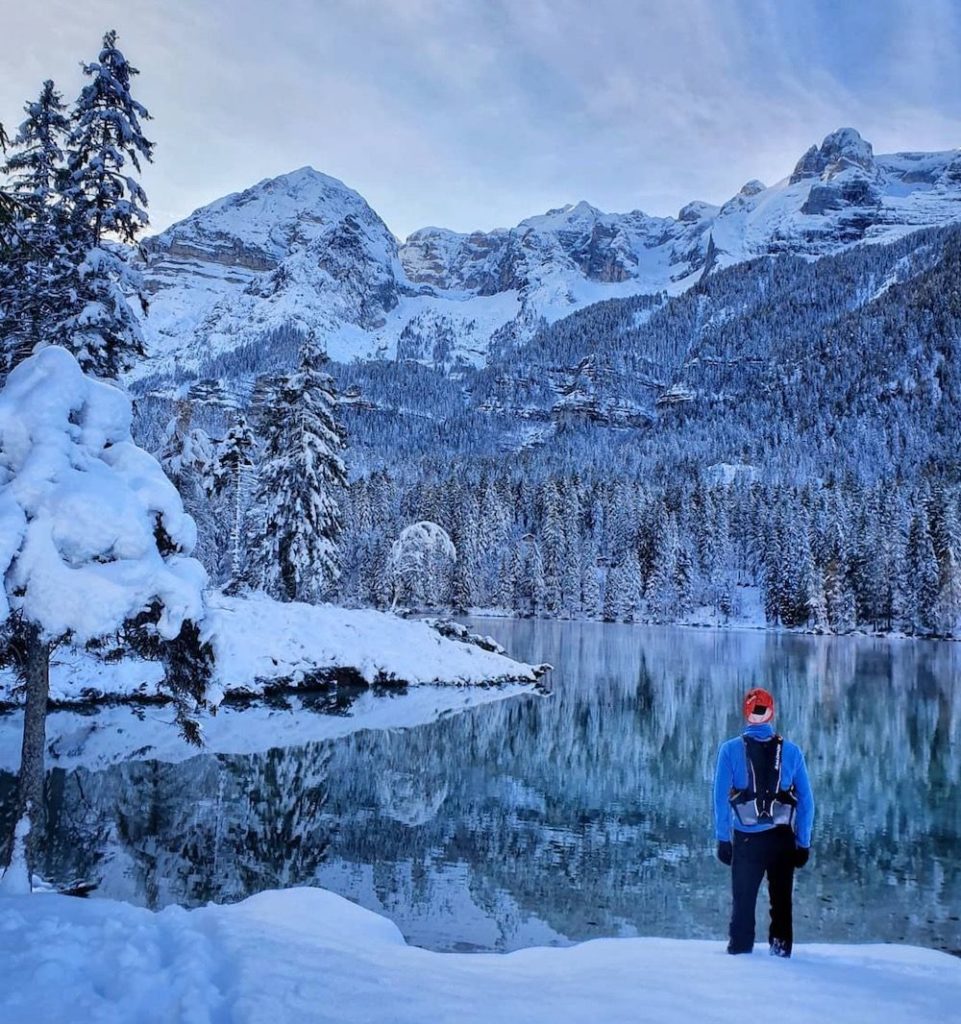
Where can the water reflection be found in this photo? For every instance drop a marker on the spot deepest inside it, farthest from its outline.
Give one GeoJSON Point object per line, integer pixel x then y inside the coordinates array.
{"type": "Point", "coordinates": [582, 814]}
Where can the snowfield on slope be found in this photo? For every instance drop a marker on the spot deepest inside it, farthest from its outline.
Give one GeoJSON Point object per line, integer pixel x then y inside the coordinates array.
{"type": "Point", "coordinates": [306, 955]}
{"type": "Point", "coordinates": [260, 642]}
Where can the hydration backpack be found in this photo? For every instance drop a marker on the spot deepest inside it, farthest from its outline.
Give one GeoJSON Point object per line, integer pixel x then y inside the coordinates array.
{"type": "Point", "coordinates": [763, 801]}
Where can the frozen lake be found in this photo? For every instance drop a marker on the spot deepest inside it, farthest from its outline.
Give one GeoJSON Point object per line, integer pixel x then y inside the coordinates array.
{"type": "Point", "coordinates": [585, 813]}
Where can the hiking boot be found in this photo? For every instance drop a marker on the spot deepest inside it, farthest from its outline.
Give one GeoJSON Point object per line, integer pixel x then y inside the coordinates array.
{"type": "Point", "coordinates": [779, 947]}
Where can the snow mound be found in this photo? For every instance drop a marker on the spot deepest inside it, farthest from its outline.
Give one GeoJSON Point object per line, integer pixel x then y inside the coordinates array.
{"type": "Point", "coordinates": [306, 955]}
{"type": "Point", "coordinates": [259, 641]}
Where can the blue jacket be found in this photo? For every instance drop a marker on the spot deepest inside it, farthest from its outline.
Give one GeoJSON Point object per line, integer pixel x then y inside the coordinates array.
{"type": "Point", "coordinates": [731, 773]}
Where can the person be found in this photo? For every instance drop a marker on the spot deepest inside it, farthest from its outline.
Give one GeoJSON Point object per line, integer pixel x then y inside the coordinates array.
{"type": "Point", "coordinates": [763, 816]}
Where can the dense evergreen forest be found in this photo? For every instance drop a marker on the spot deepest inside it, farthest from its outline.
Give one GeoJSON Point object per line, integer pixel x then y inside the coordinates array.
{"type": "Point", "coordinates": [779, 444]}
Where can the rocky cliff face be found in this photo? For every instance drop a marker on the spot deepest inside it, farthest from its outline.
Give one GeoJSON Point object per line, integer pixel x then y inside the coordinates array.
{"type": "Point", "coordinates": [305, 251]}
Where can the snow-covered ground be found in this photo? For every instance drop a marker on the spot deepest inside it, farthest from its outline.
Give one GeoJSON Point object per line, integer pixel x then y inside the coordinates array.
{"type": "Point", "coordinates": [260, 642]}
{"type": "Point", "coordinates": [308, 955]}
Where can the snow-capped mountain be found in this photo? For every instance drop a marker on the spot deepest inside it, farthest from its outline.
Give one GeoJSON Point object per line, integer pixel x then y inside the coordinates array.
{"type": "Point", "coordinates": [305, 251]}
{"type": "Point", "coordinates": [301, 250]}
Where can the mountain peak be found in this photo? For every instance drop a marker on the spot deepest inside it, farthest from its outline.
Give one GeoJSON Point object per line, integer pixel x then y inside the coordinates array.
{"type": "Point", "coordinates": [305, 176]}
{"type": "Point", "coordinates": [840, 150]}
{"type": "Point", "coordinates": [303, 203]}
{"type": "Point", "coordinates": [563, 216]}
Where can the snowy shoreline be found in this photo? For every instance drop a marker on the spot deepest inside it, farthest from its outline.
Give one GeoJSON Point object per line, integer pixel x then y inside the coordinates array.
{"type": "Point", "coordinates": [265, 647]}
{"type": "Point", "coordinates": [737, 626]}
{"type": "Point", "coordinates": [307, 955]}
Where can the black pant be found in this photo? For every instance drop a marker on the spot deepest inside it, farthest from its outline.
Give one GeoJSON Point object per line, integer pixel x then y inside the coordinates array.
{"type": "Point", "coordinates": [757, 854]}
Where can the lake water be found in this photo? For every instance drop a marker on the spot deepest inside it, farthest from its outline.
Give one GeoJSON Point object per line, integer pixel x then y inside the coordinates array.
{"type": "Point", "coordinates": [585, 813]}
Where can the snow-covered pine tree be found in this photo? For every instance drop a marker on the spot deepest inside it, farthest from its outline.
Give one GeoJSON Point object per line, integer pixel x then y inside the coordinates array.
{"type": "Point", "coordinates": [106, 134]}
{"type": "Point", "coordinates": [614, 595]}
{"type": "Point", "coordinates": [571, 560]}
{"type": "Point", "coordinates": [188, 458]}
{"type": "Point", "coordinates": [923, 573]}
{"type": "Point", "coordinates": [507, 579]}
{"type": "Point", "coordinates": [232, 466]}
{"type": "Point", "coordinates": [91, 534]}
{"type": "Point", "coordinates": [466, 583]}
{"type": "Point", "coordinates": [660, 591]}
{"type": "Point", "coordinates": [553, 546]}
{"type": "Point", "coordinates": [9, 208]}
{"type": "Point", "coordinates": [34, 270]}
{"type": "Point", "coordinates": [301, 482]}
{"type": "Point", "coordinates": [838, 592]}
{"type": "Point", "coordinates": [535, 585]}
{"type": "Point", "coordinates": [108, 205]}
{"type": "Point", "coordinates": [946, 537]}
{"type": "Point", "coordinates": [590, 582]}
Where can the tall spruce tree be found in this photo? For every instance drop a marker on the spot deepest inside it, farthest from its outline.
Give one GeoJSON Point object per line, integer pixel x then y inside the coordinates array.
{"type": "Point", "coordinates": [231, 474]}
{"type": "Point", "coordinates": [924, 575]}
{"type": "Point", "coordinates": [108, 205]}
{"type": "Point", "coordinates": [301, 483]}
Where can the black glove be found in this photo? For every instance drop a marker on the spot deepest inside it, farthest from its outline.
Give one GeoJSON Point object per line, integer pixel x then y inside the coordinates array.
{"type": "Point", "coordinates": [725, 852]}
{"type": "Point", "coordinates": [801, 854]}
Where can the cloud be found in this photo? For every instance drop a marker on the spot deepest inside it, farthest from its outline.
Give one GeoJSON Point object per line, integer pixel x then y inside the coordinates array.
{"type": "Point", "coordinates": [477, 114]}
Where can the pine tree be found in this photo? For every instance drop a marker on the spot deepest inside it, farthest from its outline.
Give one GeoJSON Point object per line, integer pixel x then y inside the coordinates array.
{"type": "Point", "coordinates": [107, 204]}
{"type": "Point", "coordinates": [615, 597]}
{"type": "Point", "coordinates": [149, 583]}
{"type": "Point", "coordinates": [590, 583]}
{"type": "Point", "coordinates": [234, 461]}
{"type": "Point", "coordinates": [187, 457]}
{"type": "Point", "coordinates": [924, 574]}
{"type": "Point", "coordinates": [839, 594]}
{"type": "Point", "coordinates": [301, 483]}
{"type": "Point", "coordinates": [946, 538]}
{"type": "Point", "coordinates": [772, 560]}
{"type": "Point", "coordinates": [632, 587]}
{"type": "Point", "coordinates": [34, 271]}
{"type": "Point", "coordinates": [506, 581]}
{"type": "Point", "coordinates": [554, 547]}
{"type": "Point", "coordinates": [466, 583]}
{"type": "Point", "coordinates": [660, 592]}
{"type": "Point", "coordinates": [106, 135]}
{"type": "Point", "coordinates": [535, 583]}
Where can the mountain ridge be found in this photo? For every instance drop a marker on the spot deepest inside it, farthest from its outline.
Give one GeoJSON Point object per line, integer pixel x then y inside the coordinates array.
{"type": "Point", "coordinates": [304, 251]}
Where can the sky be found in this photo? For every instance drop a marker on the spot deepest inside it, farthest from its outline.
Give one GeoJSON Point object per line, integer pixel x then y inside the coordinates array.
{"type": "Point", "coordinates": [473, 114]}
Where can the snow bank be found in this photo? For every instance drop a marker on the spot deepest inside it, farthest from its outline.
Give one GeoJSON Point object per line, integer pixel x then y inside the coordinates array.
{"type": "Point", "coordinates": [308, 955]}
{"type": "Point", "coordinates": [261, 643]}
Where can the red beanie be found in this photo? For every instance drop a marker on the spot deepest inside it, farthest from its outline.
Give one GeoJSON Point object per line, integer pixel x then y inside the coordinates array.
{"type": "Point", "coordinates": [758, 706]}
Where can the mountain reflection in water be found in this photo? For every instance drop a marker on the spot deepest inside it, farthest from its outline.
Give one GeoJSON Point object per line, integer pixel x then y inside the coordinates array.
{"type": "Point", "coordinates": [555, 819]}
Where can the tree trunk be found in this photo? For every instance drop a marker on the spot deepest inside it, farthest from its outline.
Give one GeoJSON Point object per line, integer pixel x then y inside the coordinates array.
{"type": "Point", "coordinates": [30, 803]}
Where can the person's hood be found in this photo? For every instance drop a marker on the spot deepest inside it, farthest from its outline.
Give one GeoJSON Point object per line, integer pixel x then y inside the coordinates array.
{"type": "Point", "coordinates": [760, 732]}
